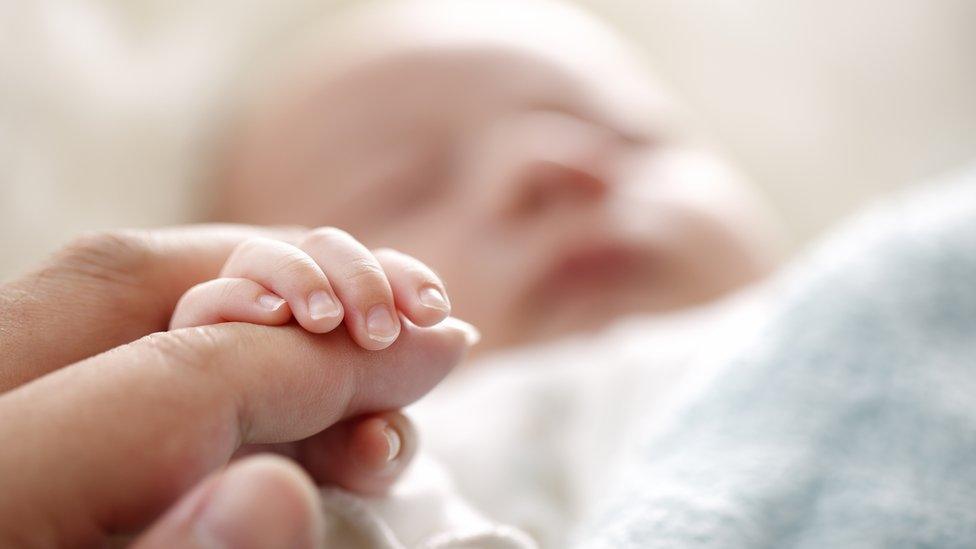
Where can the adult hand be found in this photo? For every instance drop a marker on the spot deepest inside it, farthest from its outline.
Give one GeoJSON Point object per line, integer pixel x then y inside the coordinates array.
{"type": "Point", "coordinates": [100, 444]}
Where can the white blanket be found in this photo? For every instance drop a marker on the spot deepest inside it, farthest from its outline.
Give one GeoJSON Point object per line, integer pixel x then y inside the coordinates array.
{"type": "Point", "coordinates": [532, 437]}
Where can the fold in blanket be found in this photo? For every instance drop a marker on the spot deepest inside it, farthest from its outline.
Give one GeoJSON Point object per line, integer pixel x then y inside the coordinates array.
{"type": "Point", "coordinates": [423, 511]}
{"type": "Point", "coordinates": [851, 421]}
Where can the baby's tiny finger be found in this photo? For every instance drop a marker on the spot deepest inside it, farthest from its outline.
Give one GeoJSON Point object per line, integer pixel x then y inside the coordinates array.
{"type": "Point", "coordinates": [364, 454]}
{"type": "Point", "coordinates": [361, 285]}
{"type": "Point", "coordinates": [229, 300]}
{"type": "Point", "coordinates": [418, 292]}
{"type": "Point", "coordinates": [292, 274]}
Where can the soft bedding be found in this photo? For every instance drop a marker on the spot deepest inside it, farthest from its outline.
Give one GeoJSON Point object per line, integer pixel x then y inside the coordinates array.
{"type": "Point", "coordinates": [833, 407]}
{"type": "Point", "coordinates": [850, 421]}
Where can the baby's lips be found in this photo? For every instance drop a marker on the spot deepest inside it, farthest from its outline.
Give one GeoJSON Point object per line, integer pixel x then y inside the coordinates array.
{"type": "Point", "coordinates": [471, 334]}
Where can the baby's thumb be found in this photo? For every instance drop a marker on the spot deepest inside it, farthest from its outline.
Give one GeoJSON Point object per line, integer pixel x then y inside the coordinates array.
{"type": "Point", "coordinates": [365, 454]}
{"type": "Point", "coordinates": [263, 501]}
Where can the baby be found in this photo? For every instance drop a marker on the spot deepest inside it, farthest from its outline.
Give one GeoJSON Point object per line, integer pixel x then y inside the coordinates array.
{"type": "Point", "coordinates": [517, 148]}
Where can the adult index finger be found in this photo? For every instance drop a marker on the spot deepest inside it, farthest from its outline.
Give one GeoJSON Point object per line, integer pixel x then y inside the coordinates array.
{"type": "Point", "coordinates": [106, 289]}
{"type": "Point", "coordinates": [105, 445]}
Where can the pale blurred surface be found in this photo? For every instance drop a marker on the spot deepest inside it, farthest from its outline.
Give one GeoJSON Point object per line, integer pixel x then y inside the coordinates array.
{"type": "Point", "coordinates": [109, 110]}
{"type": "Point", "coordinates": [825, 103]}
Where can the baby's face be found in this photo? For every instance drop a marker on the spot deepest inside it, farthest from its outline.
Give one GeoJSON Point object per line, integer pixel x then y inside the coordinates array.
{"type": "Point", "coordinates": [544, 209]}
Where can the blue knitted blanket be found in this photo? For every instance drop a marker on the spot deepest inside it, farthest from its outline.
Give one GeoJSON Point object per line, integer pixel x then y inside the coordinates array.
{"type": "Point", "coordinates": [850, 421]}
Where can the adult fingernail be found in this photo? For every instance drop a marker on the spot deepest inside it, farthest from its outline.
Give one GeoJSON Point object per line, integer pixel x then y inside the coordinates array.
{"type": "Point", "coordinates": [380, 324]}
{"type": "Point", "coordinates": [225, 520]}
{"type": "Point", "coordinates": [321, 305]}
{"type": "Point", "coordinates": [471, 334]}
{"type": "Point", "coordinates": [432, 298]}
{"type": "Point", "coordinates": [270, 302]}
{"type": "Point", "coordinates": [220, 519]}
{"type": "Point", "coordinates": [393, 443]}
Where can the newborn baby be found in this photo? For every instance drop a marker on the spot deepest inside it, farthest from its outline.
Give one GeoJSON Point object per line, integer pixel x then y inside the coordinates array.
{"type": "Point", "coordinates": [521, 153]}
{"type": "Point", "coordinates": [516, 148]}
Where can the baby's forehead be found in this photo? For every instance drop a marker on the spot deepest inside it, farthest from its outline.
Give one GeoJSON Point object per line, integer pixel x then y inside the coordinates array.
{"type": "Point", "coordinates": [474, 78]}
{"type": "Point", "coordinates": [427, 90]}
{"type": "Point", "coordinates": [528, 50]}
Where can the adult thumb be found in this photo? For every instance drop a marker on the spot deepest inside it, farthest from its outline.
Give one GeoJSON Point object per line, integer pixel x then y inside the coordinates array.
{"type": "Point", "coordinates": [262, 501]}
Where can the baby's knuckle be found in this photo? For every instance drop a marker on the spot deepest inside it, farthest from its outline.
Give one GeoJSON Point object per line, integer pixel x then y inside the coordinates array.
{"type": "Point", "coordinates": [251, 245]}
{"type": "Point", "coordinates": [293, 265]}
{"type": "Point", "coordinates": [387, 252]}
{"type": "Point", "coordinates": [196, 293]}
{"type": "Point", "coordinates": [409, 264]}
{"type": "Point", "coordinates": [228, 289]}
{"type": "Point", "coordinates": [326, 235]}
{"type": "Point", "coordinates": [420, 272]}
{"type": "Point", "coordinates": [364, 271]}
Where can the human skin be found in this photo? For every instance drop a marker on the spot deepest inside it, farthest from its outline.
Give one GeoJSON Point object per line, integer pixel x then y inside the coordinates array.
{"type": "Point", "coordinates": [516, 150]}
{"type": "Point", "coordinates": [139, 437]}
{"type": "Point", "coordinates": [326, 278]}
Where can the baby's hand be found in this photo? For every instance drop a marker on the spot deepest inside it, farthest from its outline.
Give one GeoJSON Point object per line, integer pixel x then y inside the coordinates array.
{"type": "Point", "coordinates": [329, 276]}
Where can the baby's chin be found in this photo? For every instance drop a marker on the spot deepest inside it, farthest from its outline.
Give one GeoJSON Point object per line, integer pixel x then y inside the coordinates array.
{"type": "Point", "coordinates": [584, 313]}
{"type": "Point", "coordinates": [588, 312]}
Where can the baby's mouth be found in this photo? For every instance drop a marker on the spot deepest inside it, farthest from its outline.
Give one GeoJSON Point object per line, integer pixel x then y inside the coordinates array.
{"type": "Point", "coordinates": [594, 267]}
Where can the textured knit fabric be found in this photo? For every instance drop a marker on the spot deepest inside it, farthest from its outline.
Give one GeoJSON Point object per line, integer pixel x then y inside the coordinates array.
{"type": "Point", "coordinates": [850, 420]}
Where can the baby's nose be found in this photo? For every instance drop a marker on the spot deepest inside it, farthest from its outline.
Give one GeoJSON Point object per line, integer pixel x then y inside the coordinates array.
{"type": "Point", "coordinates": [543, 184]}
{"type": "Point", "coordinates": [557, 160]}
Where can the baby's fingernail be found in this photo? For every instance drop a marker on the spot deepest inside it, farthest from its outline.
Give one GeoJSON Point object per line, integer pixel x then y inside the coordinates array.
{"type": "Point", "coordinates": [380, 324]}
{"type": "Point", "coordinates": [432, 298]}
{"type": "Point", "coordinates": [471, 334]}
{"type": "Point", "coordinates": [393, 443]}
{"type": "Point", "coordinates": [321, 305]}
{"type": "Point", "coordinates": [270, 302]}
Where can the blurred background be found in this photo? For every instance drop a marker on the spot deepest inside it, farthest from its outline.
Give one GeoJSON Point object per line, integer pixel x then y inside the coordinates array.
{"type": "Point", "coordinates": [108, 109]}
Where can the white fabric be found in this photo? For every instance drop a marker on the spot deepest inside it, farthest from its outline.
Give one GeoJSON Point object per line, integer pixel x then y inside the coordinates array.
{"type": "Point", "coordinates": [531, 437]}
{"type": "Point", "coordinates": [423, 511]}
